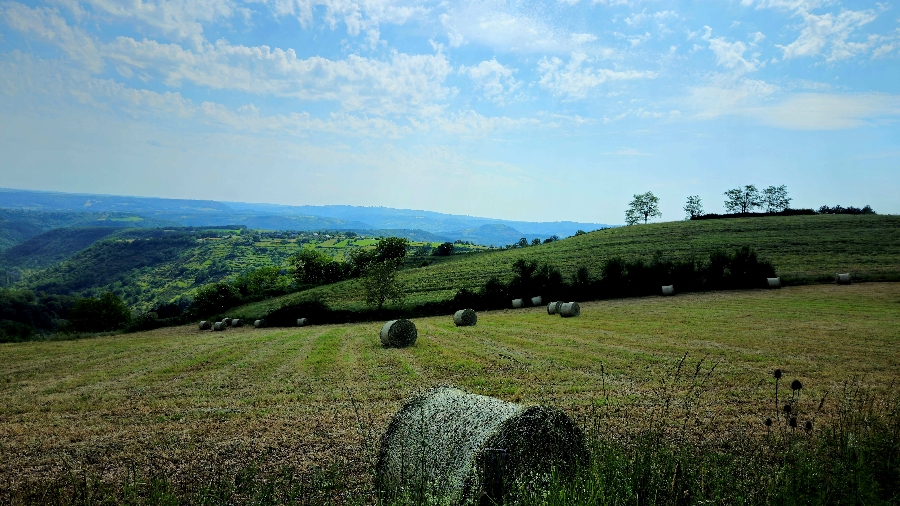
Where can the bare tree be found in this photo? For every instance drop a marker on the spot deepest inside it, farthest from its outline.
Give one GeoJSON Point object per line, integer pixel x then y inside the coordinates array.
{"type": "Point", "coordinates": [776, 198]}
{"type": "Point", "coordinates": [743, 200]}
{"type": "Point", "coordinates": [643, 207]}
{"type": "Point", "coordinates": [693, 207]}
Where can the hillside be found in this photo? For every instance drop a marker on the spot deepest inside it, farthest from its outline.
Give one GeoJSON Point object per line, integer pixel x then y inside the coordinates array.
{"type": "Point", "coordinates": [19, 225]}
{"type": "Point", "coordinates": [803, 249]}
{"type": "Point", "coordinates": [52, 247]}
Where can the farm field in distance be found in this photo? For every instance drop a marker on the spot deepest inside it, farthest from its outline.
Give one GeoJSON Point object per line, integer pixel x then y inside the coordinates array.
{"type": "Point", "coordinates": [179, 400]}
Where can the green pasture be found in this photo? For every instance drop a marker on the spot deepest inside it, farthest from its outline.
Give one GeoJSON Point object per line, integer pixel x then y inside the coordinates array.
{"type": "Point", "coordinates": [176, 400]}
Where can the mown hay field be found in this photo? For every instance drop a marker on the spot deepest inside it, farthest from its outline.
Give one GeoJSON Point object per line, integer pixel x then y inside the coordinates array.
{"type": "Point", "coordinates": [803, 249]}
{"type": "Point", "coordinates": [181, 402]}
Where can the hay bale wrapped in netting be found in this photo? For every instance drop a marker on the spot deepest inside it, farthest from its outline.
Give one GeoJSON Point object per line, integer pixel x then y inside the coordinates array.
{"type": "Point", "coordinates": [537, 301]}
{"type": "Point", "coordinates": [553, 307]}
{"type": "Point", "coordinates": [773, 282]}
{"type": "Point", "coordinates": [205, 325]}
{"type": "Point", "coordinates": [443, 442]}
{"type": "Point", "coordinates": [842, 279]}
{"type": "Point", "coordinates": [569, 309]}
{"type": "Point", "coordinates": [518, 303]}
{"type": "Point", "coordinates": [226, 321]}
{"type": "Point", "coordinates": [465, 318]}
{"type": "Point", "coordinates": [302, 322]}
{"type": "Point", "coordinates": [399, 333]}
{"type": "Point", "coordinates": [237, 322]}
{"type": "Point", "coordinates": [219, 326]}
{"type": "Point", "coordinates": [259, 324]}
{"type": "Point", "coordinates": [668, 290]}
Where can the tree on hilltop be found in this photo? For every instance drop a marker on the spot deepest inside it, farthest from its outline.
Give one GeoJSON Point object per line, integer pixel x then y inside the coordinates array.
{"type": "Point", "coordinates": [643, 207]}
{"type": "Point", "coordinates": [693, 207]}
{"type": "Point", "coordinates": [776, 198]}
{"type": "Point", "coordinates": [743, 200]}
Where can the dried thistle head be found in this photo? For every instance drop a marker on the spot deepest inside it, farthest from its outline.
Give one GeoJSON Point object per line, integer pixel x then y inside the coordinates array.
{"type": "Point", "coordinates": [787, 408]}
{"type": "Point", "coordinates": [793, 422]}
{"type": "Point", "coordinates": [768, 422]}
{"type": "Point", "coordinates": [808, 426]}
{"type": "Point", "coordinates": [796, 385]}
{"type": "Point", "coordinates": [777, 373]}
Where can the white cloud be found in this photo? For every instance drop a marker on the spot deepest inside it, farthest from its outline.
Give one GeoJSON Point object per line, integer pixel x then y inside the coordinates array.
{"type": "Point", "coordinates": [495, 79]}
{"type": "Point", "coordinates": [730, 54]}
{"type": "Point", "coordinates": [47, 25]}
{"type": "Point", "coordinates": [573, 80]}
{"type": "Point", "coordinates": [819, 111]}
{"type": "Point", "coordinates": [821, 31]}
{"type": "Point", "coordinates": [727, 94]}
{"type": "Point", "coordinates": [363, 16]}
{"type": "Point", "coordinates": [883, 51]}
{"type": "Point", "coordinates": [179, 19]}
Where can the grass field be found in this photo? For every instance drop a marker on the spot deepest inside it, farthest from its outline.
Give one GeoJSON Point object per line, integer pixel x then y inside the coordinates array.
{"type": "Point", "coordinates": [182, 401]}
{"type": "Point", "coordinates": [804, 249]}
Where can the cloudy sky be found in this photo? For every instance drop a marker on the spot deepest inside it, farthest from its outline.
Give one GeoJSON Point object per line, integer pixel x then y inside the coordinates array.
{"type": "Point", "coordinates": [554, 110]}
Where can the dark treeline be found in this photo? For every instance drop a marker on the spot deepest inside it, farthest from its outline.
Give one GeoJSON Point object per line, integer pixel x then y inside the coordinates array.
{"type": "Point", "coordinates": [789, 212]}
{"type": "Point", "coordinates": [721, 270]}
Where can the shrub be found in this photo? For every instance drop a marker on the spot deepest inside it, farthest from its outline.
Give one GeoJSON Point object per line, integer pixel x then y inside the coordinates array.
{"type": "Point", "coordinates": [103, 314]}
{"type": "Point", "coordinates": [214, 298]}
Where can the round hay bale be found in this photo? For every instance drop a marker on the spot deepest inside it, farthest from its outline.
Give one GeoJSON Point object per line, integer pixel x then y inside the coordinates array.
{"type": "Point", "coordinates": [302, 322]}
{"type": "Point", "coordinates": [537, 301]}
{"type": "Point", "coordinates": [218, 326]}
{"type": "Point", "coordinates": [259, 324]}
{"type": "Point", "coordinates": [226, 321]}
{"type": "Point", "coordinates": [773, 282]}
{"type": "Point", "coordinates": [399, 333]}
{"type": "Point", "coordinates": [205, 325]}
{"type": "Point", "coordinates": [553, 307]}
{"type": "Point", "coordinates": [448, 441]}
{"type": "Point", "coordinates": [668, 290]}
{"type": "Point", "coordinates": [569, 309]}
{"type": "Point", "coordinates": [465, 318]}
{"type": "Point", "coordinates": [842, 279]}
{"type": "Point", "coordinates": [518, 303]}
{"type": "Point", "coordinates": [237, 322]}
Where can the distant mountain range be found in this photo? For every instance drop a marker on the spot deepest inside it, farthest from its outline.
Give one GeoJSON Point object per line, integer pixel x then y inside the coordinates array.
{"type": "Point", "coordinates": [418, 225]}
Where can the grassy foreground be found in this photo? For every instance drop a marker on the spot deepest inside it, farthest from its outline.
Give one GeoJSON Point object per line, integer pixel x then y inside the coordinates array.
{"type": "Point", "coordinates": [803, 249]}
{"type": "Point", "coordinates": [191, 405]}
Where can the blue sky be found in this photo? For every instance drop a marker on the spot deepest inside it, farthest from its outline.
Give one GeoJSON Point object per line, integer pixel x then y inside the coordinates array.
{"type": "Point", "coordinates": [541, 111]}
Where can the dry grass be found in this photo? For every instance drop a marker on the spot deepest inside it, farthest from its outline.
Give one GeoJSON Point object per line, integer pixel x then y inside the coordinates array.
{"type": "Point", "coordinates": [185, 401]}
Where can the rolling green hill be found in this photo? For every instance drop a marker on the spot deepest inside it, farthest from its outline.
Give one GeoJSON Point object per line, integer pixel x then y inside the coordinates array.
{"type": "Point", "coordinates": [804, 249]}
{"type": "Point", "coordinates": [52, 247]}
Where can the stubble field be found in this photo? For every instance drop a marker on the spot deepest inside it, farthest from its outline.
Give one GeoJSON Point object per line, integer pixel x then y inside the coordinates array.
{"type": "Point", "coordinates": [182, 402]}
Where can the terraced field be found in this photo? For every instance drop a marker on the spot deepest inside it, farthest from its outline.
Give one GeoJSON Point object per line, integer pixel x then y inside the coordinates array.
{"type": "Point", "coordinates": [804, 249]}
{"type": "Point", "coordinates": [181, 401]}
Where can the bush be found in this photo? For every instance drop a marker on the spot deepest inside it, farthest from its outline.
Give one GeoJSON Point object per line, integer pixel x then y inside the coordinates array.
{"type": "Point", "coordinates": [215, 298]}
{"type": "Point", "coordinates": [15, 332]}
{"type": "Point", "coordinates": [103, 314]}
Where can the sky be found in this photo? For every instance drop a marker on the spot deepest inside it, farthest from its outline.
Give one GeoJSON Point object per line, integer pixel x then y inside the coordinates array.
{"type": "Point", "coordinates": [538, 111]}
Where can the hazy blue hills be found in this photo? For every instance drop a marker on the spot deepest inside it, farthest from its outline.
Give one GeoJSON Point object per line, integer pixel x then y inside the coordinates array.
{"type": "Point", "coordinates": [198, 213]}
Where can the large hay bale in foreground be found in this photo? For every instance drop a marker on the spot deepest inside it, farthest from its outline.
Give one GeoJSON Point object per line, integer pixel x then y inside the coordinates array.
{"type": "Point", "coordinates": [569, 309]}
{"type": "Point", "coordinates": [302, 322]}
{"type": "Point", "coordinates": [399, 333]}
{"type": "Point", "coordinates": [465, 318]}
{"type": "Point", "coordinates": [237, 322]}
{"type": "Point", "coordinates": [219, 326]}
{"type": "Point", "coordinates": [205, 325]}
{"type": "Point", "coordinates": [443, 442]}
{"type": "Point", "coordinates": [773, 282]}
{"type": "Point", "coordinates": [553, 307]}
{"type": "Point", "coordinates": [668, 290]}
{"type": "Point", "coordinates": [842, 279]}
{"type": "Point", "coordinates": [537, 301]}
{"type": "Point", "coordinates": [518, 303]}
{"type": "Point", "coordinates": [259, 324]}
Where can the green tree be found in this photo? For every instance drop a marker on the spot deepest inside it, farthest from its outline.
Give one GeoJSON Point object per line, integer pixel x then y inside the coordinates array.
{"type": "Point", "coordinates": [381, 284]}
{"type": "Point", "coordinates": [776, 198]}
{"type": "Point", "coordinates": [693, 207]}
{"type": "Point", "coordinates": [743, 200]}
{"type": "Point", "coordinates": [445, 249]}
{"type": "Point", "coordinates": [643, 207]}
{"type": "Point", "coordinates": [310, 266]}
{"type": "Point", "coordinates": [108, 312]}
{"type": "Point", "coordinates": [216, 297]}
{"type": "Point", "coordinates": [391, 248]}
{"type": "Point", "coordinates": [523, 242]}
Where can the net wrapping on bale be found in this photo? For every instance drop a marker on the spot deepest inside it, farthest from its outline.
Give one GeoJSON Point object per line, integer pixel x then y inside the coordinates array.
{"type": "Point", "coordinates": [398, 333]}
{"type": "Point", "coordinates": [437, 444]}
{"type": "Point", "coordinates": [205, 325]}
{"type": "Point", "coordinates": [218, 326]}
{"type": "Point", "coordinates": [537, 301]}
{"type": "Point", "coordinates": [518, 303]}
{"type": "Point", "coordinates": [773, 282]}
{"type": "Point", "coordinates": [842, 279]}
{"type": "Point", "coordinates": [465, 318]}
{"type": "Point", "coordinates": [553, 307]}
{"type": "Point", "coordinates": [237, 322]}
{"type": "Point", "coordinates": [569, 309]}
{"type": "Point", "coordinates": [668, 290]}
{"type": "Point", "coordinates": [259, 324]}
